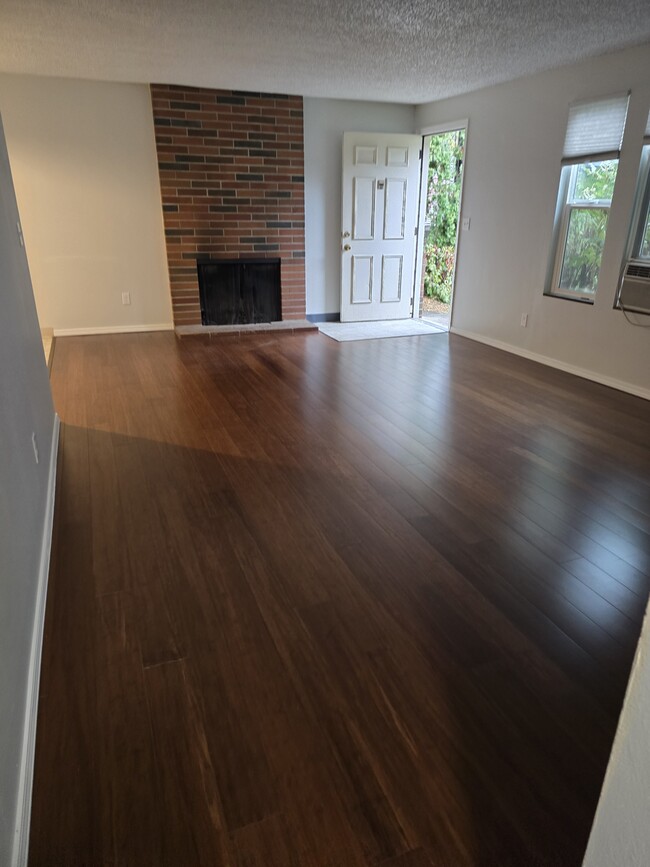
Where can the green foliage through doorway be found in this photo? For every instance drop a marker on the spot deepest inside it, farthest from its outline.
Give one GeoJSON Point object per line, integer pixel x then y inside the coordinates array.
{"type": "Point", "coordinates": [443, 204]}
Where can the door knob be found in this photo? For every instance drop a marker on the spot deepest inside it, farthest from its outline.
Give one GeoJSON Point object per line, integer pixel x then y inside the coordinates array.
{"type": "Point", "coordinates": [346, 247]}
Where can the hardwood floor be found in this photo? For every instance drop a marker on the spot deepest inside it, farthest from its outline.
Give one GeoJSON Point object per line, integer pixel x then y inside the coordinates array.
{"type": "Point", "coordinates": [333, 604]}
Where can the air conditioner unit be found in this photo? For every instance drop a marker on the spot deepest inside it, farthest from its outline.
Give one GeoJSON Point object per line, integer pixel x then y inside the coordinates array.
{"type": "Point", "coordinates": [635, 288]}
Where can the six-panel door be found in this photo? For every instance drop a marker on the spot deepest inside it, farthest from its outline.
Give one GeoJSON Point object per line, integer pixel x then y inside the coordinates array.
{"type": "Point", "coordinates": [381, 184]}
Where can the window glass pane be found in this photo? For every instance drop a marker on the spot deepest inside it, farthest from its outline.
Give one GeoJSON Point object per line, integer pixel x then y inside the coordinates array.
{"type": "Point", "coordinates": [640, 248]}
{"type": "Point", "coordinates": [644, 252]}
{"type": "Point", "coordinates": [594, 182]}
{"type": "Point", "coordinates": [583, 250]}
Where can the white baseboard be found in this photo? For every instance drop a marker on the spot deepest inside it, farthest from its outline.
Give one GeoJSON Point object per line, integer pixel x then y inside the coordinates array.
{"type": "Point", "coordinates": [112, 329]}
{"type": "Point", "coordinates": [26, 779]}
{"type": "Point", "coordinates": [618, 384]}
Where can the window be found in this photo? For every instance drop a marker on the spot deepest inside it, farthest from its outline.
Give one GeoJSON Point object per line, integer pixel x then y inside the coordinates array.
{"type": "Point", "coordinates": [589, 166]}
{"type": "Point", "coordinates": [634, 286]}
{"type": "Point", "coordinates": [584, 226]}
{"type": "Point", "coordinates": [639, 241]}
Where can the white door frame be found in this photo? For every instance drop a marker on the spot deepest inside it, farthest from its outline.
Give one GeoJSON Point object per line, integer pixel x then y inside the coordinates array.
{"type": "Point", "coordinates": [425, 131]}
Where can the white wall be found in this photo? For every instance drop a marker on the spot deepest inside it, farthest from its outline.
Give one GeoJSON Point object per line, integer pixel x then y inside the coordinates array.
{"type": "Point", "coordinates": [25, 407]}
{"type": "Point", "coordinates": [84, 164]}
{"type": "Point", "coordinates": [621, 833]}
{"type": "Point", "coordinates": [325, 122]}
{"type": "Point", "coordinates": [515, 138]}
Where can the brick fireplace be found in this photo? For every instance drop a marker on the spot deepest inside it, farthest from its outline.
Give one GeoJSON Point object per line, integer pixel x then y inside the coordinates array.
{"type": "Point", "coordinates": [231, 176]}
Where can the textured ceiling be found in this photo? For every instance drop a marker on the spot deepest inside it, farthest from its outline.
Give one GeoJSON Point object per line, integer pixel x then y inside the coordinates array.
{"type": "Point", "coordinates": [397, 50]}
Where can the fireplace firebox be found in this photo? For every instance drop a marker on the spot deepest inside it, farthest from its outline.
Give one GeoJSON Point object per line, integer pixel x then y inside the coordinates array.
{"type": "Point", "coordinates": [239, 291]}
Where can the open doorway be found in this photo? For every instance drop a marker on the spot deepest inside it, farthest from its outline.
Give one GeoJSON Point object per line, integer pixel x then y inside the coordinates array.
{"type": "Point", "coordinates": [440, 214]}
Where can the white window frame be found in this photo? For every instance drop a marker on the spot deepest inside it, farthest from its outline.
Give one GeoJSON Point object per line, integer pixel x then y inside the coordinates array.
{"type": "Point", "coordinates": [641, 211]}
{"type": "Point", "coordinates": [566, 205]}
{"type": "Point", "coordinates": [594, 134]}
{"type": "Point", "coordinates": [640, 217]}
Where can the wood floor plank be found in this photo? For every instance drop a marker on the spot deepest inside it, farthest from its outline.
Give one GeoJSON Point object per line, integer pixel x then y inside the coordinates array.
{"type": "Point", "coordinates": [334, 605]}
{"type": "Point", "coordinates": [191, 814]}
{"type": "Point", "coordinates": [265, 844]}
{"type": "Point", "coordinates": [127, 796]}
{"type": "Point", "coordinates": [414, 858]}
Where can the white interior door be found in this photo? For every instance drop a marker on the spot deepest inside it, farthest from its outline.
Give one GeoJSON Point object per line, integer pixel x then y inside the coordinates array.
{"type": "Point", "coordinates": [381, 184]}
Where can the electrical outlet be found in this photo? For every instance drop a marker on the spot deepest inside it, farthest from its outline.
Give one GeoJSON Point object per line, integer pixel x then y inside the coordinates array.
{"type": "Point", "coordinates": [126, 297]}
{"type": "Point", "coordinates": [465, 224]}
{"type": "Point", "coordinates": [524, 320]}
{"type": "Point", "coordinates": [35, 446]}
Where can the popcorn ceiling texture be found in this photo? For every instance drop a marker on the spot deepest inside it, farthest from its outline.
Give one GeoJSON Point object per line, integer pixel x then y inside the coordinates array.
{"type": "Point", "coordinates": [407, 51]}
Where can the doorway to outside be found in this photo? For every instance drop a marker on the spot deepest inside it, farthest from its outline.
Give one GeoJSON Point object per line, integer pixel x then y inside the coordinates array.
{"type": "Point", "coordinates": [439, 216]}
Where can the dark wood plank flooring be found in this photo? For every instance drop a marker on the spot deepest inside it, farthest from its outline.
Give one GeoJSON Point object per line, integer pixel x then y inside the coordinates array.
{"type": "Point", "coordinates": [318, 604]}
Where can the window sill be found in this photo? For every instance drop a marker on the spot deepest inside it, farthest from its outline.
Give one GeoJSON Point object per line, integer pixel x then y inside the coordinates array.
{"type": "Point", "coordinates": [577, 298]}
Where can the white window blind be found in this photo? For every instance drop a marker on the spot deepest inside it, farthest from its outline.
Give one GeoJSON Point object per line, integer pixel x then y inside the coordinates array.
{"type": "Point", "coordinates": [595, 130]}
{"type": "Point", "coordinates": [646, 135]}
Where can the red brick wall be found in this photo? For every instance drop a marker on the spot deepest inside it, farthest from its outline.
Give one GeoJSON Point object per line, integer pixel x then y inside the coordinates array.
{"type": "Point", "coordinates": [231, 175]}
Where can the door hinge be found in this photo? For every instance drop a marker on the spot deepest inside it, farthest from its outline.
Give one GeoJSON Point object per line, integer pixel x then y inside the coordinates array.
{"type": "Point", "coordinates": [420, 154]}
{"type": "Point", "coordinates": [415, 231]}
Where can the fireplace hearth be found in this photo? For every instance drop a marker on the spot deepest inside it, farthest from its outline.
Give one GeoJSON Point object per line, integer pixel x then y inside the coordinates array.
{"type": "Point", "coordinates": [239, 291]}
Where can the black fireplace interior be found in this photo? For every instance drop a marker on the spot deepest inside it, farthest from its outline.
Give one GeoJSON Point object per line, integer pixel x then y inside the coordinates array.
{"type": "Point", "coordinates": [239, 291]}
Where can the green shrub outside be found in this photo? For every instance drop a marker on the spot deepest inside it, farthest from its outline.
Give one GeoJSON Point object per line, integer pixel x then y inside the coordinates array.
{"type": "Point", "coordinates": [443, 203]}
{"type": "Point", "coordinates": [438, 272]}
